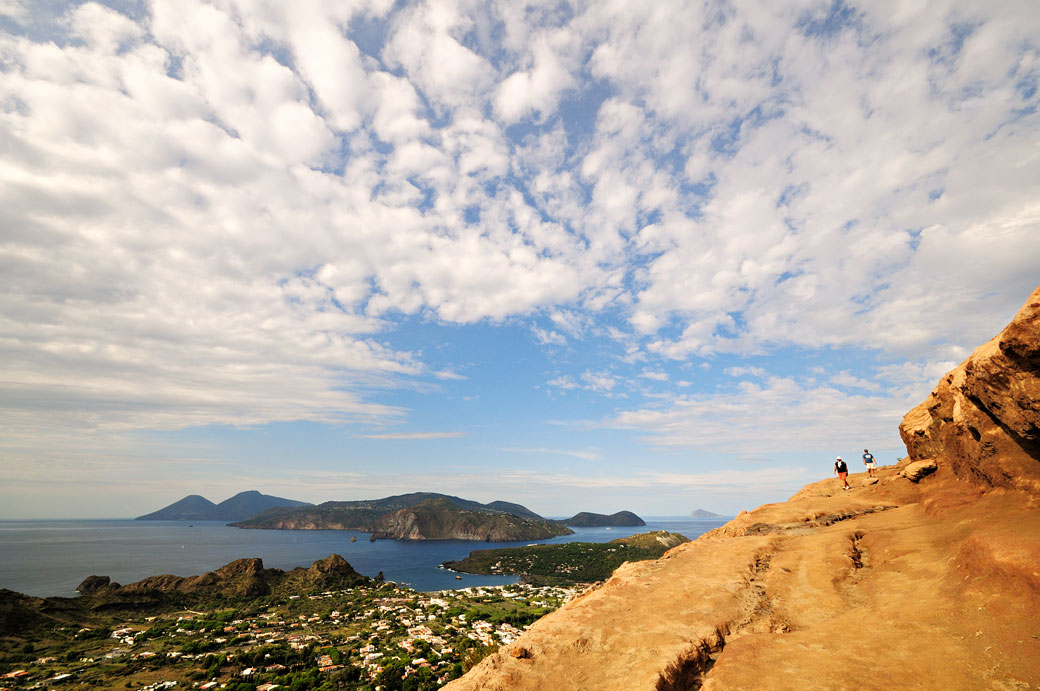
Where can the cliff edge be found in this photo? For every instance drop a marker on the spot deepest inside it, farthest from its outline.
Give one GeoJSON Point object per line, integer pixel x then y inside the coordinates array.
{"type": "Point", "coordinates": [927, 577]}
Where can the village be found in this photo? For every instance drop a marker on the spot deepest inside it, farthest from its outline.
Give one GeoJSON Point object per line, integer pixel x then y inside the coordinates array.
{"type": "Point", "coordinates": [370, 637]}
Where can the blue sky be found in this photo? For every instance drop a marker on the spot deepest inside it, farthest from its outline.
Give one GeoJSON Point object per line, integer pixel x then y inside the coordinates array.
{"type": "Point", "coordinates": [646, 256]}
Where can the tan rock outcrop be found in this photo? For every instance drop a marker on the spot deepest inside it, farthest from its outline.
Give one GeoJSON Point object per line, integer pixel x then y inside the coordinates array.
{"type": "Point", "coordinates": [982, 422]}
{"type": "Point", "coordinates": [919, 469]}
{"type": "Point", "coordinates": [893, 585]}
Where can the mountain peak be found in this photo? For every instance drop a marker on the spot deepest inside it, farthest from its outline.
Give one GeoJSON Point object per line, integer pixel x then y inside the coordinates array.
{"type": "Point", "coordinates": [237, 508]}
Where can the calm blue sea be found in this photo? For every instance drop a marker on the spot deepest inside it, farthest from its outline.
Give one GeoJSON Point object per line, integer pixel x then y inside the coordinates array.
{"type": "Point", "coordinates": [45, 558]}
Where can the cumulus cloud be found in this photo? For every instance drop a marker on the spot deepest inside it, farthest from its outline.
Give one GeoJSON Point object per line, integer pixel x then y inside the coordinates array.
{"type": "Point", "coordinates": [780, 415]}
{"type": "Point", "coordinates": [537, 89]}
{"type": "Point", "coordinates": [224, 212]}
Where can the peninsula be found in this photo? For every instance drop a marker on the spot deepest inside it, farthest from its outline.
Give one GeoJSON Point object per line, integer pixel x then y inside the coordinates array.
{"type": "Point", "coordinates": [568, 563]}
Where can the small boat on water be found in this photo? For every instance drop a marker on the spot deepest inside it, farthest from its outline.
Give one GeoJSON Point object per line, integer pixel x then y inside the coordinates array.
{"type": "Point", "coordinates": [353, 538]}
{"type": "Point", "coordinates": [458, 578]}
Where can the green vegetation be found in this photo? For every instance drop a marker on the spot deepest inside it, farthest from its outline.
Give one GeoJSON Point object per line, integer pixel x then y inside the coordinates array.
{"type": "Point", "coordinates": [574, 562]}
{"type": "Point", "coordinates": [363, 637]}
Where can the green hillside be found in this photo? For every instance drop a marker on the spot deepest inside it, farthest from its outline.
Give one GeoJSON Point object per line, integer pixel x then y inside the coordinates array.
{"type": "Point", "coordinates": [573, 562]}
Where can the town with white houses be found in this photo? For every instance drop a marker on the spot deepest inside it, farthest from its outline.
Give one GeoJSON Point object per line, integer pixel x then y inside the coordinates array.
{"type": "Point", "coordinates": [380, 638]}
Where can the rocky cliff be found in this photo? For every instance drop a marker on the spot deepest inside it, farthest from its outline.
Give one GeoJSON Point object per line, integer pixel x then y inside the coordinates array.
{"type": "Point", "coordinates": [982, 422]}
{"type": "Point", "coordinates": [926, 577]}
{"type": "Point", "coordinates": [239, 581]}
{"type": "Point", "coordinates": [242, 578]}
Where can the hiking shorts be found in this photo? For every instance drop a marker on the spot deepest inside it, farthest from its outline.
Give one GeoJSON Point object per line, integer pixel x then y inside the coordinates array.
{"type": "Point", "coordinates": [841, 476]}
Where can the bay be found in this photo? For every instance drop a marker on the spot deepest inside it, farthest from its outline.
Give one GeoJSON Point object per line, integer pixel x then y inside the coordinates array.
{"type": "Point", "coordinates": [45, 558]}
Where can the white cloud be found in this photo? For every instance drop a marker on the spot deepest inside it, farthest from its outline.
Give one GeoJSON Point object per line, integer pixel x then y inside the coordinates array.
{"type": "Point", "coordinates": [779, 416]}
{"type": "Point", "coordinates": [535, 90]}
{"type": "Point", "coordinates": [409, 436]}
{"type": "Point", "coordinates": [220, 212]}
{"type": "Point", "coordinates": [563, 382]}
{"type": "Point", "coordinates": [545, 337]}
{"type": "Point", "coordinates": [425, 44]}
{"type": "Point", "coordinates": [449, 375]}
{"type": "Point", "coordinates": [745, 371]}
{"type": "Point", "coordinates": [598, 381]}
{"type": "Point", "coordinates": [849, 381]}
{"type": "Point", "coordinates": [14, 9]}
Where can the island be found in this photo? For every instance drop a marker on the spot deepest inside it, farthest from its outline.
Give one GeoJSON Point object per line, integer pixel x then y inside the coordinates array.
{"type": "Point", "coordinates": [415, 516]}
{"type": "Point", "coordinates": [439, 519]}
{"type": "Point", "coordinates": [239, 507]}
{"type": "Point", "coordinates": [569, 563]}
{"type": "Point", "coordinates": [701, 513]}
{"type": "Point", "coordinates": [599, 520]}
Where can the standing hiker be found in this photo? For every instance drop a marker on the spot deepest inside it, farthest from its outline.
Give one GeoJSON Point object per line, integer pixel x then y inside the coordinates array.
{"type": "Point", "coordinates": [842, 471]}
{"type": "Point", "coordinates": [868, 460]}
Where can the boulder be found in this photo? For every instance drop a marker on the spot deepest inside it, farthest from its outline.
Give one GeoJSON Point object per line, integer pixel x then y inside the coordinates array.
{"type": "Point", "coordinates": [520, 653]}
{"type": "Point", "coordinates": [915, 471]}
{"type": "Point", "coordinates": [93, 585]}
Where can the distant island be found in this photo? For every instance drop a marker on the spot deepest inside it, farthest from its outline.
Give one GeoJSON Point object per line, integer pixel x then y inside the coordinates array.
{"type": "Point", "coordinates": [573, 562]}
{"type": "Point", "coordinates": [439, 519]}
{"type": "Point", "coordinates": [415, 516]}
{"type": "Point", "coordinates": [239, 507]}
{"type": "Point", "coordinates": [598, 520]}
{"type": "Point", "coordinates": [701, 513]}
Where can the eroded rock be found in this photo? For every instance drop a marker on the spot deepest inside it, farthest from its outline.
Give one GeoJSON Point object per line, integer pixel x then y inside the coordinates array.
{"type": "Point", "coordinates": [915, 471]}
{"type": "Point", "coordinates": [982, 422]}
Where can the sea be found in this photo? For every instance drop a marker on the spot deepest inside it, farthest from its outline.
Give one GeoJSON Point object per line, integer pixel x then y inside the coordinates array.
{"type": "Point", "coordinates": [51, 558]}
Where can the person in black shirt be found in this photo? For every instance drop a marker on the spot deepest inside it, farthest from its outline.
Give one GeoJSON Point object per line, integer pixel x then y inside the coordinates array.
{"type": "Point", "coordinates": [842, 471]}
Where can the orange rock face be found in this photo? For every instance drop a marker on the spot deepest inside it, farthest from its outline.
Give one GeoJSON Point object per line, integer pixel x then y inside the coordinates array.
{"type": "Point", "coordinates": [924, 578]}
{"type": "Point", "coordinates": [982, 422]}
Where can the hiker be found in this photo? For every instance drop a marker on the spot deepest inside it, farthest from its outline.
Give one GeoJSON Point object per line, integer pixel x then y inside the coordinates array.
{"type": "Point", "coordinates": [868, 460]}
{"type": "Point", "coordinates": [842, 472]}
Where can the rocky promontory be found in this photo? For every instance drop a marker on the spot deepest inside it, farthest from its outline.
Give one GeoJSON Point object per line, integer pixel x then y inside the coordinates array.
{"type": "Point", "coordinates": [925, 577]}
{"type": "Point", "coordinates": [241, 578]}
{"type": "Point", "coordinates": [237, 582]}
